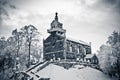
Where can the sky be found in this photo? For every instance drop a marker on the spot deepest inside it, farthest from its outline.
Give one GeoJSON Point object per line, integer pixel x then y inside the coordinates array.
{"type": "Point", "coordinates": [86, 20]}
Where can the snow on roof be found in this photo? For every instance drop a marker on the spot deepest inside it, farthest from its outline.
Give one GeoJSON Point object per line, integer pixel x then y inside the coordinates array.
{"type": "Point", "coordinates": [89, 55]}
{"type": "Point", "coordinates": [78, 41]}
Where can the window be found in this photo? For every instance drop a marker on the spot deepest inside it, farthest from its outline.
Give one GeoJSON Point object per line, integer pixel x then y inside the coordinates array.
{"type": "Point", "coordinates": [70, 48]}
{"type": "Point", "coordinates": [78, 50]}
{"type": "Point", "coordinates": [84, 51]}
{"type": "Point", "coordinates": [73, 48]}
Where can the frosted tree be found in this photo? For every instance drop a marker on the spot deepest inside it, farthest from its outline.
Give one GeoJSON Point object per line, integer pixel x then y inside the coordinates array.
{"type": "Point", "coordinates": [114, 42]}
{"type": "Point", "coordinates": [109, 55]}
{"type": "Point", "coordinates": [30, 35]}
{"type": "Point", "coordinates": [104, 56]}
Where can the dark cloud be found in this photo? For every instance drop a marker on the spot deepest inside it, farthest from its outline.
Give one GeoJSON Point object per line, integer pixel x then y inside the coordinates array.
{"type": "Point", "coordinates": [4, 2]}
{"type": "Point", "coordinates": [3, 11]}
{"type": "Point", "coordinates": [113, 4]}
{"type": "Point", "coordinates": [12, 6]}
{"type": "Point", "coordinates": [5, 6]}
{"type": "Point", "coordinates": [101, 5]}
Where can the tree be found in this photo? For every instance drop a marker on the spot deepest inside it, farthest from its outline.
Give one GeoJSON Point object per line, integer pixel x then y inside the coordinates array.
{"type": "Point", "coordinates": [30, 34]}
{"type": "Point", "coordinates": [6, 57]}
{"type": "Point", "coordinates": [114, 42]}
{"type": "Point", "coordinates": [2, 59]}
{"type": "Point", "coordinates": [26, 40]}
{"type": "Point", "coordinates": [109, 55]}
{"type": "Point", "coordinates": [18, 39]}
{"type": "Point", "coordinates": [106, 59]}
{"type": "Point", "coordinates": [114, 38]}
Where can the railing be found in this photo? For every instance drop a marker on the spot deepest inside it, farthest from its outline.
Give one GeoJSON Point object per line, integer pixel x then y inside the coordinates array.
{"type": "Point", "coordinates": [34, 66]}
{"type": "Point", "coordinates": [43, 66]}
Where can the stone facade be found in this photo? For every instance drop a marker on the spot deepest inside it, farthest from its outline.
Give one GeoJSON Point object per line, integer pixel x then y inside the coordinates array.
{"type": "Point", "coordinates": [58, 47]}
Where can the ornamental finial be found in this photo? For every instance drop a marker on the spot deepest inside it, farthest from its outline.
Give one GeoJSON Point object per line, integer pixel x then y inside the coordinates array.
{"type": "Point", "coordinates": [56, 16]}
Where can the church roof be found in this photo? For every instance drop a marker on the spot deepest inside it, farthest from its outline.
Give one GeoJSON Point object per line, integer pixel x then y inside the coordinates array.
{"type": "Point", "coordinates": [78, 41]}
{"type": "Point", "coordinates": [56, 29]}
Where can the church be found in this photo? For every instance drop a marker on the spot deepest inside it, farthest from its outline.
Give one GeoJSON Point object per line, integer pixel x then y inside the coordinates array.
{"type": "Point", "coordinates": [58, 47]}
{"type": "Point", "coordinates": [58, 50]}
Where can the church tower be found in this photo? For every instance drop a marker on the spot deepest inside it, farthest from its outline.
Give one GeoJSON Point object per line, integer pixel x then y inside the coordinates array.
{"type": "Point", "coordinates": [56, 27]}
{"type": "Point", "coordinates": [54, 43]}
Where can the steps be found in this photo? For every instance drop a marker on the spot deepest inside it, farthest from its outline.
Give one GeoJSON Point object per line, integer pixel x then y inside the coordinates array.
{"type": "Point", "coordinates": [32, 72]}
{"type": "Point", "coordinates": [34, 66]}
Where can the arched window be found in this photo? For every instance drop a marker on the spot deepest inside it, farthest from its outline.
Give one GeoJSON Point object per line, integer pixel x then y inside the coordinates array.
{"type": "Point", "coordinates": [82, 50]}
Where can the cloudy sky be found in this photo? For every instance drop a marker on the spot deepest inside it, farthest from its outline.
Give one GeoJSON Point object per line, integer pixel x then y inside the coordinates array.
{"type": "Point", "coordinates": [87, 20]}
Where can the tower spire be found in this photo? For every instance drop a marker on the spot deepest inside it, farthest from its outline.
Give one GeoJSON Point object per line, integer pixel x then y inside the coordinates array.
{"type": "Point", "coordinates": [56, 16]}
{"type": "Point", "coordinates": [56, 26]}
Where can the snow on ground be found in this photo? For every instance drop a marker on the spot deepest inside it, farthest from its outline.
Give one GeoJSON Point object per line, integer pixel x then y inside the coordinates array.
{"type": "Point", "coordinates": [55, 72]}
{"type": "Point", "coordinates": [88, 73]}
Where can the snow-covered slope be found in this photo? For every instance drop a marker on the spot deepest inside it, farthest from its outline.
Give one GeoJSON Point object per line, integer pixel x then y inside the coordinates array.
{"type": "Point", "coordinates": [88, 73]}
{"type": "Point", "coordinates": [55, 72]}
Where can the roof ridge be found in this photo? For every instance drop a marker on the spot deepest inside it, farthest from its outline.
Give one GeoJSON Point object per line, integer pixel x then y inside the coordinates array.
{"type": "Point", "coordinates": [78, 41]}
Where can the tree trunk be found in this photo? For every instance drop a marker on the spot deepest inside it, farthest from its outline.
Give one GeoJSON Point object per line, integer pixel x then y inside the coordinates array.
{"type": "Point", "coordinates": [29, 55]}
{"type": "Point", "coordinates": [3, 68]}
{"type": "Point", "coordinates": [18, 46]}
{"type": "Point", "coordinates": [118, 68]}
